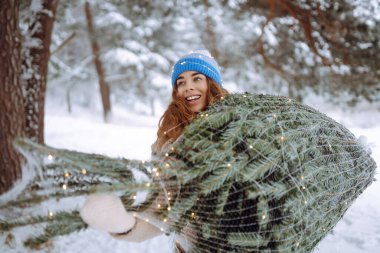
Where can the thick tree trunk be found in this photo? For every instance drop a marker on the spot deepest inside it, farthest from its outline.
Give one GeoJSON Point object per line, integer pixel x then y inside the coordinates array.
{"type": "Point", "coordinates": [104, 89]}
{"type": "Point", "coordinates": [36, 62]}
{"type": "Point", "coordinates": [11, 102]}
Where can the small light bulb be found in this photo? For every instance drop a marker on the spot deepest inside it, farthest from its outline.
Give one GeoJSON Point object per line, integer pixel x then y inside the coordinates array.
{"type": "Point", "coordinates": [221, 98]}
{"type": "Point", "coordinates": [165, 132]}
{"type": "Point", "coordinates": [206, 114]}
{"type": "Point", "coordinates": [147, 184]}
{"type": "Point", "coordinates": [67, 174]}
{"type": "Point", "coordinates": [250, 146]}
{"type": "Point", "coordinates": [154, 169]}
{"type": "Point", "coordinates": [167, 165]}
{"type": "Point", "coordinates": [169, 193]}
{"type": "Point", "coordinates": [147, 220]}
{"type": "Point", "coordinates": [298, 244]}
{"type": "Point", "coordinates": [229, 165]}
{"type": "Point", "coordinates": [263, 217]}
{"type": "Point", "coordinates": [64, 186]}
{"type": "Point", "coordinates": [165, 220]}
{"type": "Point", "coordinates": [50, 157]}
{"type": "Point", "coordinates": [142, 161]}
{"type": "Point", "coordinates": [135, 197]}
{"type": "Point", "coordinates": [157, 174]}
{"type": "Point", "coordinates": [162, 229]}
{"type": "Point", "coordinates": [303, 187]}
{"type": "Point", "coordinates": [50, 214]}
{"type": "Point", "coordinates": [169, 208]}
{"type": "Point", "coordinates": [305, 202]}
{"type": "Point", "coordinates": [166, 154]}
{"type": "Point", "coordinates": [302, 178]}
{"type": "Point", "coordinates": [84, 171]}
{"type": "Point", "coordinates": [159, 206]}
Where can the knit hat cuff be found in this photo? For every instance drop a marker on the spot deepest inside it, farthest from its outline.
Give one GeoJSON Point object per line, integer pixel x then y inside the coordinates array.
{"type": "Point", "coordinates": [198, 65]}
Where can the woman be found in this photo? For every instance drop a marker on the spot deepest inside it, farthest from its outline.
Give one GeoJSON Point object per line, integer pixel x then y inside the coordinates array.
{"type": "Point", "coordinates": [197, 83]}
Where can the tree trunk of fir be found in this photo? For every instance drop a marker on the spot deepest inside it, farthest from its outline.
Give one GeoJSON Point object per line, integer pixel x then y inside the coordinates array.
{"type": "Point", "coordinates": [210, 33]}
{"type": "Point", "coordinates": [35, 62]}
{"type": "Point", "coordinates": [104, 89]}
{"type": "Point", "coordinates": [11, 103]}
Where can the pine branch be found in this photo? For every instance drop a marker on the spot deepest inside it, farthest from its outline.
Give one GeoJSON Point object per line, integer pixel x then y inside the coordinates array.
{"type": "Point", "coordinates": [251, 173]}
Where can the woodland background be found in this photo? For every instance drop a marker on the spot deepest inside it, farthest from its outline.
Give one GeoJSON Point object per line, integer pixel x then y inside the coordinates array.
{"type": "Point", "coordinates": [106, 58]}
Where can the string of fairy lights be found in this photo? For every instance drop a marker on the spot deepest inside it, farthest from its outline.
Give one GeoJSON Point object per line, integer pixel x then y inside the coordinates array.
{"type": "Point", "coordinates": [300, 182]}
{"type": "Point", "coordinates": [303, 187]}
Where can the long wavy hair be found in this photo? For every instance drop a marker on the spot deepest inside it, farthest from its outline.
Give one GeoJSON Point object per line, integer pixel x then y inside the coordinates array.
{"type": "Point", "coordinates": [178, 115]}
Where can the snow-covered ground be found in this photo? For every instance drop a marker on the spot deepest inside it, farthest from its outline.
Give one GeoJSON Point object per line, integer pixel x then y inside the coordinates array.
{"type": "Point", "coordinates": [130, 136]}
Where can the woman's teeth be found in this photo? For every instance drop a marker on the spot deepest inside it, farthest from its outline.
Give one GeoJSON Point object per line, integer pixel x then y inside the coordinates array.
{"type": "Point", "coordinates": [192, 98]}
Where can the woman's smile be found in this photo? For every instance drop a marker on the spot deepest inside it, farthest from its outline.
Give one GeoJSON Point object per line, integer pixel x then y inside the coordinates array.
{"type": "Point", "coordinates": [192, 87]}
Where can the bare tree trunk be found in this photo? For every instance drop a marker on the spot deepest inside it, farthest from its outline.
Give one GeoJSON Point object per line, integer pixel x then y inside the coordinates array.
{"type": "Point", "coordinates": [11, 102]}
{"type": "Point", "coordinates": [213, 45]}
{"type": "Point", "coordinates": [68, 100]}
{"type": "Point", "coordinates": [64, 43]}
{"type": "Point", "coordinates": [36, 61]}
{"type": "Point", "coordinates": [104, 89]}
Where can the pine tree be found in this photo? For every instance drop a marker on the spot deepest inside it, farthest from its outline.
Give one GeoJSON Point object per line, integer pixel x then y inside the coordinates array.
{"type": "Point", "coordinates": [252, 173]}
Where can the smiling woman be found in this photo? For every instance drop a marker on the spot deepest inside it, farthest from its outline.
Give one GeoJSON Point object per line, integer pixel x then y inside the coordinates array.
{"type": "Point", "coordinates": [197, 83]}
{"type": "Point", "coordinates": [192, 87]}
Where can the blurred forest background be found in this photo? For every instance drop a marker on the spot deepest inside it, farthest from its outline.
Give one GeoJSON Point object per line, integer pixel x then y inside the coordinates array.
{"type": "Point", "coordinates": [75, 53]}
{"type": "Point", "coordinates": [292, 48]}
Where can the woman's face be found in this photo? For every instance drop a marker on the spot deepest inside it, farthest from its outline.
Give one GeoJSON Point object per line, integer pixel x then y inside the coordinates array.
{"type": "Point", "coordinates": [192, 87]}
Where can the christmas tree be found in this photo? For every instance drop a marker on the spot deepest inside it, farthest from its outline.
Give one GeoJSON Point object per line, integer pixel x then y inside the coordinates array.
{"type": "Point", "coordinates": [252, 173]}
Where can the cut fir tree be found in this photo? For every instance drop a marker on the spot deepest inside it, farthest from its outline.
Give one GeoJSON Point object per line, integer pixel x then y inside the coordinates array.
{"type": "Point", "coordinates": [253, 173]}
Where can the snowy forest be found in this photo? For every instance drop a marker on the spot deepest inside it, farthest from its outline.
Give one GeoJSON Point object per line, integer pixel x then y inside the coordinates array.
{"type": "Point", "coordinates": [94, 76]}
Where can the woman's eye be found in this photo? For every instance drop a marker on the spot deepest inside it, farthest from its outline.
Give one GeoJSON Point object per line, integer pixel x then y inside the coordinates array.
{"type": "Point", "coordinates": [180, 83]}
{"type": "Point", "coordinates": [197, 79]}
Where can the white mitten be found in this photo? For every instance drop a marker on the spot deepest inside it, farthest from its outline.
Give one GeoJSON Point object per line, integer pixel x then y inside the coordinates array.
{"type": "Point", "coordinates": [107, 213]}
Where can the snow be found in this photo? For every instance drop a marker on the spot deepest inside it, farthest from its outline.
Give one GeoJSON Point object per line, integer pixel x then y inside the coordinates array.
{"type": "Point", "coordinates": [122, 56]}
{"type": "Point", "coordinates": [130, 135]}
{"type": "Point", "coordinates": [269, 33]}
{"type": "Point", "coordinates": [367, 10]}
{"type": "Point", "coordinates": [36, 5]}
{"type": "Point", "coordinates": [114, 18]}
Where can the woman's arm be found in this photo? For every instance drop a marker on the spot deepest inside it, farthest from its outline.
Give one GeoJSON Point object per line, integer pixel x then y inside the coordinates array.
{"type": "Point", "coordinates": [106, 212]}
{"type": "Point", "coordinates": [142, 231]}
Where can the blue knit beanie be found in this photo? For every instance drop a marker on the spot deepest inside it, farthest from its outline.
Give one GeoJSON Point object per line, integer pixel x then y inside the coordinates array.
{"type": "Point", "coordinates": [199, 60]}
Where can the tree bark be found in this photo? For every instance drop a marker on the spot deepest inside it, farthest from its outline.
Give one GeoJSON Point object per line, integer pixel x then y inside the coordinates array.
{"type": "Point", "coordinates": [11, 102]}
{"type": "Point", "coordinates": [104, 89]}
{"type": "Point", "coordinates": [36, 62]}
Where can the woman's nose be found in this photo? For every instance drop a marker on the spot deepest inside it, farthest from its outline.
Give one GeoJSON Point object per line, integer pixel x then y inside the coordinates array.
{"type": "Point", "coordinates": [189, 86]}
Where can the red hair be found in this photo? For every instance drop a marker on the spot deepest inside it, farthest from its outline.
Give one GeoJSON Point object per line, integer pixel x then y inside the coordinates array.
{"type": "Point", "coordinates": [178, 115]}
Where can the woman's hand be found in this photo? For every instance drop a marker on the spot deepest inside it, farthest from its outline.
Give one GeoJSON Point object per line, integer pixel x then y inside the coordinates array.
{"type": "Point", "coordinates": [106, 212]}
